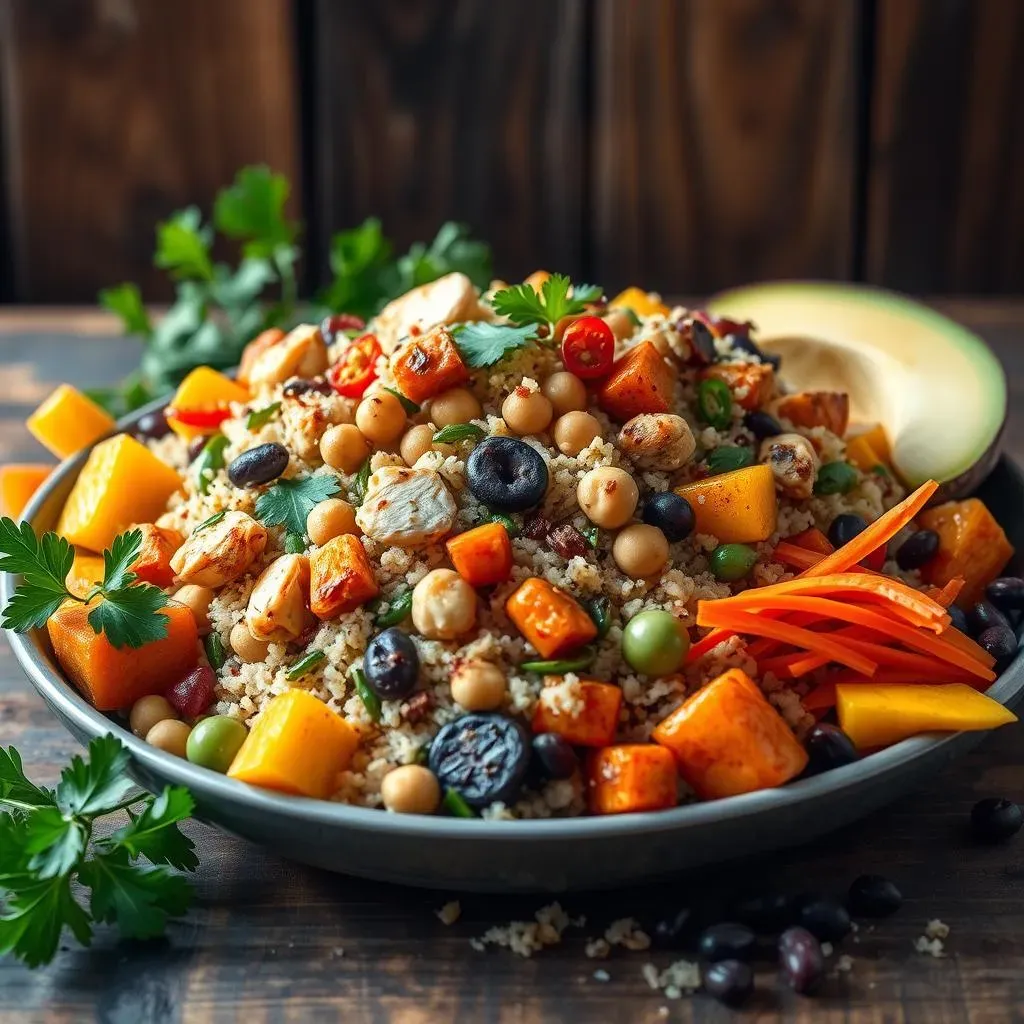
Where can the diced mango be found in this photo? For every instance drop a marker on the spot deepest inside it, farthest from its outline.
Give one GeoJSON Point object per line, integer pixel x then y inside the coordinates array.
{"type": "Point", "coordinates": [869, 449]}
{"type": "Point", "coordinates": [67, 422]}
{"type": "Point", "coordinates": [298, 745]}
{"type": "Point", "coordinates": [114, 678]}
{"type": "Point", "coordinates": [640, 381]}
{"type": "Point", "coordinates": [17, 484]}
{"type": "Point", "coordinates": [204, 389]}
{"type": "Point", "coordinates": [642, 303]}
{"type": "Point", "coordinates": [751, 384]}
{"type": "Point", "coordinates": [727, 739]}
{"type": "Point", "coordinates": [86, 572]}
{"type": "Point", "coordinates": [585, 714]}
{"type": "Point", "coordinates": [341, 577]}
{"type": "Point", "coordinates": [738, 507]}
{"type": "Point", "coordinates": [631, 777]}
{"type": "Point", "coordinates": [122, 483]}
{"type": "Point", "coordinates": [549, 618]}
{"type": "Point", "coordinates": [153, 563]}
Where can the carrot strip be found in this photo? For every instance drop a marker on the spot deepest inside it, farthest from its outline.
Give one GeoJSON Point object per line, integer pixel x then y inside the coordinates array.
{"type": "Point", "coordinates": [897, 675]}
{"type": "Point", "coordinates": [711, 613]}
{"type": "Point", "coordinates": [963, 642]}
{"type": "Point", "coordinates": [812, 539]}
{"type": "Point", "coordinates": [798, 558]}
{"type": "Point", "coordinates": [781, 664]}
{"type": "Point", "coordinates": [821, 698]}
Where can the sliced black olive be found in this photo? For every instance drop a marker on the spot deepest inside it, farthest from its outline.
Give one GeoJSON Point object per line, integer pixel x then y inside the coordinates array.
{"type": "Point", "coordinates": [671, 513]}
{"type": "Point", "coordinates": [828, 747]}
{"type": "Point", "coordinates": [506, 474]}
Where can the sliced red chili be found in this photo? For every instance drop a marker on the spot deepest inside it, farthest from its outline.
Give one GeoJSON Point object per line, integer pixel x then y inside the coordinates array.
{"type": "Point", "coordinates": [332, 327]}
{"type": "Point", "coordinates": [588, 348]}
{"type": "Point", "coordinates": [201, 419]}
{"type": "Point", "coordinates": [357, 369]}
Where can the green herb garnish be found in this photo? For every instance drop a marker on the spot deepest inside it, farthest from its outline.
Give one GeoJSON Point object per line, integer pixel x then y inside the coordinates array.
{"type": "Point", "coordinates": [261, 417]}
{"type": "Point", "coordinates": [454, 803]}
{"type": "Point", "coordinates": [210, 462]}
{"type": "Point", "coordinates": [459, 432]}
{"type": "Point", "coordinates": [370, 700]}
{"type": "Point", "coordinates": [522, 305]}
{"type": "Point", "coordinates": [288, 502]}
{"type": "Point", "coordinates": [483, 344]}
{"type": "Point", "coordinates": [560, 666]}
{"type": "Point", "coordinates": [216, 654]}
{"type": "Point", "coordinates": [398, 609]}
{"type": "Point", "coordinates": [729, 457]}
{"type": "Point", "coordinates": [714, 401]}
{"type": "Point", "coordinates": [599, 609]}
{"type": "Point", "coordinates": [304, 665]}
{"type": "Point", "coordinates": [511, 526]}
{"type": "Point", "coordinates": [294, 544]}
{"type": "Point", "coordinates": [591, 533]}
{"type": "Point", "coordinates": [410, 407]}
{"type": "Point", "coordinates": [362, 482]}
{"type": "Point", "coordinates": [215, 518]}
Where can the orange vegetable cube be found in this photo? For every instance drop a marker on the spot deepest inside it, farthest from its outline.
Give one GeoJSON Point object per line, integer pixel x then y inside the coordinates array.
{"type": "Point", "coordinates": [113, 678]}
{"type": "Point", "coordinates": [153, 564]}
{"type": "Point", "coordinates": [264, 340]}
{"type": "Point", "coordinates": [812, 539]}
{"type": "Point", "coordinates": [727, 739]}
{"type": "Point", "coordinates": [86, 571]}
{"type": "Point", "coordinates": [751, 384]}
{"type": "Point", "coordinates": [549, 618]}
{"type": "Point", "coordinates": [971, 544]}
{"type": "Point", "coordinates": [631, 777]}
{"type": "Point", "coordinates": [426, 365]}
{"type": "Point", "coordinates": [829, 409]}
{"type": "Point", "coordinates": [740, 507]}
{"type": "Point", "coordinates": [642, 303]}
{"type": "Point", "coordinates": [482, 556]}
{"type": "Point", "coordinates": [67, 422]}
{"type": "Point", "coordinates": [341, 577]}
{"type": "Point", "coordinates": [298, 745]}
{"type": "Point", "coordinates": [17, 484]}
{"type": "Point", "coordinates": [640, 381]}
{"type": "Point", "coordinates": [869, 449]}
{"type": "Point", "coordinates": [585, 714]}
{"type": "Point", "coordinates": [203, 390]}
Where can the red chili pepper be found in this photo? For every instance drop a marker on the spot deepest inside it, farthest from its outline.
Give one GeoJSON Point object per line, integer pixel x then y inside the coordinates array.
{"type": "Point", "coordinates": [338, 323]}
{"type": "Point", "coordinates": [201, 419]}
{"type": "Point", "coordinates": [357, 369]}
{"type": "Point", "coordinates": [588, 347]}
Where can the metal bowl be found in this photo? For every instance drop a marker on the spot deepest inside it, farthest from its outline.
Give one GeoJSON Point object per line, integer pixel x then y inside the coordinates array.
{"type": "Point", "coordinates": [517, 856]}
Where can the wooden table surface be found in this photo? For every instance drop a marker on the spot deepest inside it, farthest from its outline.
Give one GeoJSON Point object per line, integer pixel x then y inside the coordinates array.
{"type": "Point", "coordinates": [268, 940]}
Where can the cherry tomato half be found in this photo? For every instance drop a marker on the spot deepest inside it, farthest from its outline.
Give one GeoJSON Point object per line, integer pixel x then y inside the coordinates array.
{"type": "Point", "coordinates": [588, 347]}
{"type": "Point", "coordinates": [357, 369]}
{"type": "Point", "coordinates": [201, 419]}
{"type": "Point", "coordinates": [339, 323]}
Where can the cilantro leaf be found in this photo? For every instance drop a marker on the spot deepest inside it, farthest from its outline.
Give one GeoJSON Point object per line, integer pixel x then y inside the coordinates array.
{"type": "Point", "coordinates": [358, 259]}
{"type": "Point", "coordinates": [261, 417]}
{"type": "Point", "coordinates": [118, 559]}
{"type": "Point", "coordinates": [452, 250]}
{"type": "Point", "coordinates": [252, 208]}
{"type": "Point", "coordinates": [131, 617]}
{"type": "Point", "coordinates": [288, 502]}
{"type": "Point", "coordinates": [97, 785]}
{"type": "Point", "coordinates": [153, 834]}
{"type": "Point", "coordinates": [35, 913]}
{"type": "Point", "coordinates": [484, 344]}
{"type": "Point", "coordinates": [44, 563]}
{"type": "Point", "coordinates": [522, 305]}
{"type": "Point", "coordinates": [15, 787]}
{"type": "Point", "coordinates": [56, 842]}
{"type": "Point", "coordinates": [125, 300]}
{"type": "Point", "coordinates": [183, 245]}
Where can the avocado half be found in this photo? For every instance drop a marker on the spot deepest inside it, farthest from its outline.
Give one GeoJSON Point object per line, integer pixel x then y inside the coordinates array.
{"type": "Point", "coordinates": [937, 389]}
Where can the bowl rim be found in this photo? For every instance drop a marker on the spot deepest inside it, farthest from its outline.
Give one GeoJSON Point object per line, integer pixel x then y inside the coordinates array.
{"type": "Point", "coordinates": [210, 788]}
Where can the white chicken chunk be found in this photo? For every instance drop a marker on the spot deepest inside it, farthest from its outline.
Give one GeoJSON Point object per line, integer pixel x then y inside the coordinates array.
{"type": "Point", "coordinates": [278, 605]}
{"type": "Point", "coordinates": [406, 507]}
{"type": "Point", "coordinates": [220, 552]}
{"type": "Point", "coordinates": [450, 299]}
{"type": "Point", "coordinates": [794, 463]}
{"type": "Point", "coordinates": [300, 353]}
{"type": "Point", "coordinates": [659, 441]}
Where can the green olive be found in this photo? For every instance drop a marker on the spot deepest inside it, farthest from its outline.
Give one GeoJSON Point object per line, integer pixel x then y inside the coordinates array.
{"type": "Point", "coordinates": [731, 562]}
{"type": "Point", "coordinates": [655, 643]}
{"type": "Point", "coordinates": [214, 742]}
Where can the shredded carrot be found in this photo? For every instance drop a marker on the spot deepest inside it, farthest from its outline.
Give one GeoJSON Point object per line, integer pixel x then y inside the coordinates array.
{"type": "Point", "coordinates": [948, 593]}
{"type": "Point", "coordinates": [812, 539]}
{"type": "Point", "coordinates": [797, 557]}
{"type": "Point", "coordinates": [821, 698]}
{"type": "Point", "coordinates": [781, 664]}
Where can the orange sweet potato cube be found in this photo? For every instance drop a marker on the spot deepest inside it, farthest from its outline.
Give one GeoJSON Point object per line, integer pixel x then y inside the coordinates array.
{"type": "Point", "coordinates": [341, 577]}
{"type": "Point", "coordinates": [585, 714]}
{"type": "Point", "coordinates": [153, 564]}
{"type": "Point", "coordinates": [549, 618]}
{"type": "Point", "coordinates": [727, 739]}
{"type": "Point", "coordinates": [751, 384]}
{"type": "Point", "coordinates": [631, 777]}
{"type": "Point", "coordinates": [640, 381]}
{"type": "Point", "coordinates": [482, 556]}
{"type": "Point", "coordinates": [829, 409]}
{"type": "Point", "coordinates": [18, 482]}
{"type": "Point", "coordinates": [427, 364]}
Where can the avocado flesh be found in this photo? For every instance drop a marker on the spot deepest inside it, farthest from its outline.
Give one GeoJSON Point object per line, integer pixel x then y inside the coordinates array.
{"type": "Point", "coordinates": [935, 387]}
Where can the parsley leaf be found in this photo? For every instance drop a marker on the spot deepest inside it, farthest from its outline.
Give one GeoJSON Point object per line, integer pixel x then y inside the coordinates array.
{"type": "Point", "coordinates": [252, 209]}
{"type": "Point", "coordinates": [55, 841]}
{"type": "Point", "coordinates": [15, 788]}
{"type": "Point", "coordinates": [125, 300]}
{"type": "Point", "coordinates": [154, 834]}
{"type": "Point", "coordinates": [131, 617]}
{"type": "Point", "coordinates": [97, 785]}
{"type": "Point", "coordinates": [261, 417]}
{"type": "Point", "coordinates": [35, 913]}
{"type": "Point", "coordinates": [522, 305]}
{"type": "Point", "coordinates": [358, 259]}
{"type": "Point", "coordinates": [183, 245]}
{"type": "Point", "coordinates": [118, 559]}
{"type": "Point", "coordinates": [288, 502]}
{"type": "Point", "coordinates": [44, 563]}
{"type": "Point", "coordinates": [484, 344]}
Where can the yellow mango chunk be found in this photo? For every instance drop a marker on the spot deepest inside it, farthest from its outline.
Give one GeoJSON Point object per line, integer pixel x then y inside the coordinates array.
{"type": "Point", "coordinates": [67, 422]}
{"type": "Point", "coordinates": [878, 715]}
{"type": "Point", "coordinates": [869, 449]}
{"type": "Point", "coordinates": [17, 484]}
{"type": "Point", "coordinates": [86, 572]}
{"type": "Point", "coordinates": [202, 390]}
{"type": "Point", "coordinates": [122, 483]}
{"type": "Point", "coordinates": [642, 303]}
{"type": "Point", "coordinates": [738, 507]}
{"type": "Point", "coordinates": [298, 745]}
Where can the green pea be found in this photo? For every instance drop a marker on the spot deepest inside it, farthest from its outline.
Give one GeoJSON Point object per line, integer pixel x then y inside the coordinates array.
{"type": "Point", "coordinates": [714, 400]}
{"type": "Point", "coordinates": [835, 478]}
{"type": "Point", "coordinates": [655, 643]}
{"type": "Point", "coordinates": [730, 457]}
{"type": "Point", "coordinates": [731, 562]}
{"type": "Point", "coordinates": [214, 741]}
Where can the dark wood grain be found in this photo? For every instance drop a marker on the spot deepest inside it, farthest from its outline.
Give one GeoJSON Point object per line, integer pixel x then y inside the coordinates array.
{"type": "Point", "coordinates": [119, 112]}
{"type": "Point", "coordinates": [723, 141]}
{"type": "Point", "coordinates": [434, 109]}
{"type": "Point", "coordinates": [945, 207]}
{"type": "Point", "coordinates": [273, 941]}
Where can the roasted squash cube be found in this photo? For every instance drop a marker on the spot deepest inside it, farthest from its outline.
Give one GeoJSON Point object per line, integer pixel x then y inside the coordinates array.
{"type": "Point", "coordinates": [640, 381]}
{"type": "Point", "coordinates": [829, 409]}
{"type": "Point", "coordinates": [86, 571]}
{"type": "Point", "coordinates": [203, 390]}
{"type": "Point", "coordinates": [549, 618]}
{"type": "Point", "coordinates": [585, 713]}
{"type": "Point", "coordinates": [427, 364]}
{"type": "Point", "coordinates": [67, 422]}
{"type": "Point", "coordinates": [869, 449]}
{"type": "Point", "coordinates": [631, 777]}
{"type": "Point", "coordinates": [740, 507]}
{"type": "Point", "coordinates": [17, 485]}
{"type": "Point", "coordinates": [640, 302]}
{"type": "Point", "coordinates": [482, 556]}
{"type": "Point", "coordinates": [153, 563]}
{"type": "Point", "coordinates": [341, 577]}
{"type": "Point", "coordinates": [750, 384]}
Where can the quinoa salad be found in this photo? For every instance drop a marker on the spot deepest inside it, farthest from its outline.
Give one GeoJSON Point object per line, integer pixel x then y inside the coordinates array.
{"type": "Point", "coordinates": [526, 553]}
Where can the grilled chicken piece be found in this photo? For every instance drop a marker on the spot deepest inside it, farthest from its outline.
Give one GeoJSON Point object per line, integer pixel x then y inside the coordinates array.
{"type": "Point", "coordinates": [300, 353]}
{"type": "Point", "coordinates": [220, 552]}
{"type": "Point", "coordinates": [794, 463]}
{"type": "Point", "coordinates": [406, 507]}
{"type": "Point", "coordinates": [659, 441]}
{"type": "Point", "coordinates": [278, 605]}
{"type": "Point", "coordinates": [450, 299]}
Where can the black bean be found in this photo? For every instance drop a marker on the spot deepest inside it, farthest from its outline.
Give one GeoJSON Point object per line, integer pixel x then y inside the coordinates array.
{"type": "Point", "coordinates": [873, 896]}
{"type": "Point", "coordinates": [671, 513]}
{"type": "Point", "coordinates": [918, 549]}
{"type": "Point", "coordinates": [844, 528]}
{"type": "Point", "coordinates": [801, 960]}
{"type": "Point", "coordinates": [258, 465]}
{"type": "Point", "coordinates": [1000, 642]}
{"type": "Point", "coordinates": [153, 425]}
{"type": "Point", "coordinates": [826, 920]}
{"type": "Point", "coordinates": [828, 747]}
{"type": "Point", "coordinates": [555, 757]}
{"type": "Point", "coordinates": [766, 914]}
{"type": "Point", "coordinates": [729, 981]}
{"type": "Point", "coordinates": [958, 618]}
{"type": "Point", "coordinates": [745, 343]}
{"type": "Point", "coordinates": [1006, 593]}
{"type": "Point", "coordinates": [702, 342]}
{"type": "Point", "coordinates": [676, 931]}
{"type": "Point", "coordinates": [762, 424]}
{"type": "Point", "coordinates": [506, 474]}
{"type": "Point", "coordinates": [391, 664]}
{"type": "Point", "coordinates": [729, 940]}
{"type": "Point", "coordinates": [994, 820]}
{"type": "Point", "coordinates": [984, 615]}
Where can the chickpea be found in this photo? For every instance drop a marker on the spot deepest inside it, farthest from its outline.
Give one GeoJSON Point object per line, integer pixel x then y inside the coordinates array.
{"type": "Point", "coordinates": [197, 600]}
{"type": "Point", "coordinates": [443, 605]}
{"type": "Point", "coordinates": [245, 645]}
{"type": "Point", "coordinates": [526, 411]}
{"type": "Point", "coordinates": [574, 431]}
{"type": "Point", "coordinates": [456, 405]}
{"type": "Point", "coordinates": [479, 685]}
{"type": "Point", "coordinates": [330, 518]}
{"type": "Point", "coordinates": [621, 322]}
{"type": "Point", "coordinates": [417, 442]}
{"type": "Point", "coordinates": [381, 418]}
{"type": "Point", "coordinates": [147, 711]}
{"type": "Point", "coordinates": [640, 550]}
{"type": "Point", "coordinates": [170, 736]}
{"type": "Point", "coordinates": [411, 789]}
{"type": "Point", "coordinates": [565, 391]}
{"type": "Point", "coordinates": [343, 447]}
{"type": "Point", "coordinates": [608, 496]}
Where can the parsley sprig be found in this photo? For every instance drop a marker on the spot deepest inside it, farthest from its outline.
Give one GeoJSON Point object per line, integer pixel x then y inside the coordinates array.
{"type": "Point", "coordinates": [558, 297]}
{"type": "Point", "coordinates": [130, 613]}
{"type": "Point", "coordinates": [47, 842]}
{"type": "Point", "coordinates": [288, 502]}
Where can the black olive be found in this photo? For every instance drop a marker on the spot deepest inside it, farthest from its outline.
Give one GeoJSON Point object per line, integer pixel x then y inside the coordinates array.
{"type": "Point", "coordinates": [828, 747]}
{"type": "Point", "coordinates": [873, 896]}
{"type": "Point", "coordinates": [676, 931]}
{"type": "Point", "coordinates": [391, 664]}
{"type": "Point", "coordinates": [153, 425]}
{"type": "Point", "coordinates": [766, 914]}
{"type": "Point", "coordinates": [826, 920]}
{"type": "Point", "coordinates": [483, 757]}
{"type": "Point", "coordinates": [1000, 642]}
{"type": "Point", "coordinates": [301, 386]}
{"type": "Point", "coordinates": [801, 960]}
{"type": "Point", "coordinates": [196, 446]}
{"type": "Point", "coordinates": [258, 465]}
{"type": "Point", "coordinates": [995, 819]}
{"type": "Point", "coordinates": [702, 343]}
{"type": "Point", "coordinates": [1006, 593]}
{"type": "Point", "coordinates": [506, 474]}
{"type": "Point", "coordinates": [747, 344]}
{"type": "Point", "coordinates": [844, 528]}
{"type": "Point", "coordinates": [762, 424]}
{"type": "Point", "coordinates": [730, 981]}
{"type": "Point", "coordinates": [556, 758]}
{"type": "Point", "coordinates": [958, 618]}
{"type": "Point", "coordinates": [727, 941]}
{"type": "Point", "coordinates": [918, 549]}
{"type": "Point", "coordinates": [671, 513]}
{"type": "Point", "coordinates": [984, 615]}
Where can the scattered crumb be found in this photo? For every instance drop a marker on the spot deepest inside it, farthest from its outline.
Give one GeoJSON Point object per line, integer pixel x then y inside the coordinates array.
{"type": "Point", "coordinates": [626, 932]}
{"type": "Point", "coordinates": [844, 963]}
{"type": "Point", "coordinates": [597, 949]}
{"type": "Point", "coordinates": [524, 938]}
{"type": "Point", "coordinates": [477, 945]}
{"type": "Point", "coordinates": [936, 929]}
{"type": "Point", "coordinates": [450, 912]}
{"type": "Point", "coordinates": [682, 976]}
{"type": "Point", "coordinates": [827, 949]}
{"type": "Point", "coordinates": [931, 942]}
{"type": "Point", "coordinates": [338, 952]}
{"type": "Point", "coordinates": [602, 975]}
